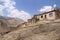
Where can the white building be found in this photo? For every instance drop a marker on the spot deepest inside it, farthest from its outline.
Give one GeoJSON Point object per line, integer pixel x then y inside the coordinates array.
{"type": "Point", "coordinates": [51, 15]}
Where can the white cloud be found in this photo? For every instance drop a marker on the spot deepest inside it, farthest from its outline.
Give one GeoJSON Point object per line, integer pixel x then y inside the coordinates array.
{"type": "Point", "coordinates": [19, 14]}
{"type": "Point", "coordinates": [1, 10]}
{"type": "Point", "coordinates": [54, 5]}
{"type": "Point", "coordinates": [13, 11]}
{"type": "Point", "coordinates": [47, 8]}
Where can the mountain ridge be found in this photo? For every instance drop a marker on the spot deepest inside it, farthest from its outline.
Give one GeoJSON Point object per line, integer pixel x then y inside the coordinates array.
{"type": "Point", "coordinates": [7, 24]}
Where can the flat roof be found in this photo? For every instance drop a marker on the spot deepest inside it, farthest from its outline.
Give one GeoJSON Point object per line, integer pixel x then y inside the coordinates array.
{"type": "Point", "coordinates": [47, 12]}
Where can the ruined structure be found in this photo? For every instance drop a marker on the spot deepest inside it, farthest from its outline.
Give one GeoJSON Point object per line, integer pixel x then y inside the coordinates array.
{"type": "Point", "coordinates": [47, 16]}
{"type": "Point", "coordinates": [32, 20]}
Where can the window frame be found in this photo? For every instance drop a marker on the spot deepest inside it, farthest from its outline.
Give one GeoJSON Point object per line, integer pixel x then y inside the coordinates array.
{"type": "Point", "coordinates": [50, 14]}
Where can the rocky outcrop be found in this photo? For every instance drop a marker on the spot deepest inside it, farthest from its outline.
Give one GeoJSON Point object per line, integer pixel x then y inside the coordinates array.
{"type": "Point", "coordinates": [4, 26]}
{"type": "Point", "coordinates": [14, 22]}
{"type": "Point", "coordinates": [49, 31]}
{"type": "Point", "coordinates": [8, 24]}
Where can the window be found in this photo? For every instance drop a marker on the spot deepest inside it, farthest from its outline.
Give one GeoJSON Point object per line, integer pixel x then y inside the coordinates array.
{"type": "Point", "coordinates": [51, 14]}
{"type": "Point", "coordinates": [45, 16]}
{"type": "Point", "coordinates": [42, 16]}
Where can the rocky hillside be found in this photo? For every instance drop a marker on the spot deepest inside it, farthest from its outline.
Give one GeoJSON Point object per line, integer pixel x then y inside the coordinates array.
{"type": "Point", "coordinates": [14, 22]}
{"type": "Point", "coordinates": [47, 31]}
{"type": "Point", "coordinates": [7, 24]}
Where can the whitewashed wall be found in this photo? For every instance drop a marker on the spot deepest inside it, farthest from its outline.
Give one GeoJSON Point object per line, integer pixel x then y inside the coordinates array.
{"type": "Point", "coordinates": [47, 16]}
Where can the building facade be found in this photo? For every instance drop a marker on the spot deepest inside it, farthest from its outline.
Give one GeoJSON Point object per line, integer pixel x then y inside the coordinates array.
{"type": "Point", "coordinates": [51, 15]}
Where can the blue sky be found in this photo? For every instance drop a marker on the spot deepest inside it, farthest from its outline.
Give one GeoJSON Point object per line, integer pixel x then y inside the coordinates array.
{"type": "Point", "coordinates": [32, 6]}
{"type": "Point", "coordinates": [25, 9]}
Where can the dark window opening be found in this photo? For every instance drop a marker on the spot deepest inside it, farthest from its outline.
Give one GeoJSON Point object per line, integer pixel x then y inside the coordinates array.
{"type": "Point", "coordinates": [41, 16]}
{"type": "Point", "coordinates": [37, 19]}
{"type": "Point", "coordinates": [45, 16]}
